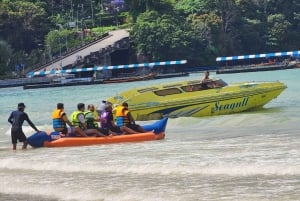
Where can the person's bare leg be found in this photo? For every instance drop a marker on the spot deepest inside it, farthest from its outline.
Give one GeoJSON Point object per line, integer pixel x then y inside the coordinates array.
{"type": "Point", "coordinates": [25, 143]}
{"type": "Point", "coordinates": [128, 130]}
{"type": "Point", "coordinates": [94, 132]}
{"type": "Point", "coordinates": [14, 146]}
{"type": "Point", "coordinates": [141, 129]}
{"type": "Point", "coordinates": [110, 133]}
{"type": "Point", "coordinates": [80, 132]}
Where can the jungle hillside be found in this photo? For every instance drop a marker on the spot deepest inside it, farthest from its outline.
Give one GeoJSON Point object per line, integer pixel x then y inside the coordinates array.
{"type": "Point", "coordinates": [32, 31]}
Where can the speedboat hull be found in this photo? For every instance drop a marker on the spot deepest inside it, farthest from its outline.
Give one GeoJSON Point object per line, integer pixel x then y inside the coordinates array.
{"type": "Point", "coordinates": [175, 100]}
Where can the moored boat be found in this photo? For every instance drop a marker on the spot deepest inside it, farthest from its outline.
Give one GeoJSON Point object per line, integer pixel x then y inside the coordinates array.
{"type": "Point", "coordinates": [257, 62]}
{"type": "Point", "coordinates": [130, 79]}
{"type": "Point", "coordinates": [196, 98]}
{"type": "Point", "coordinates": [254, 68]}
{"type": "Point", "coordinates": [155, 131]}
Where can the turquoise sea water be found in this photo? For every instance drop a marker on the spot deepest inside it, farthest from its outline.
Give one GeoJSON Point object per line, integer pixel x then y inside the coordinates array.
{"type": "Point", "coordinates": [253, 155]}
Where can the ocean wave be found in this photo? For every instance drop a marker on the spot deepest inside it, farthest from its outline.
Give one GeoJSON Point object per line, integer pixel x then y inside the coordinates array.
{"type": "Point", "coordinates": [204, 169]}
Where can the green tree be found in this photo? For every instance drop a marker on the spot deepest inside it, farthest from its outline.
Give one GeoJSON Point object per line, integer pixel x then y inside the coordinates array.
{"type": "Point", "coordinates": [165, 37]}
{"type": "Point", "coordinates": [23, 24]}
{"type": "Point", "coordinates": [154, 33]}
{"type": "Point", "coordinates": [5, 57]}
{"type": "Point", "coordinates": [229, 41]}
{"type": "Point", "coordinates": [277, 31]}
{"type": "Point", "coordinates": [205, 33]}
{"type": "Point", "coordinates": [136, 7]}
{"type": "Point", "coordinates": [192, 6]}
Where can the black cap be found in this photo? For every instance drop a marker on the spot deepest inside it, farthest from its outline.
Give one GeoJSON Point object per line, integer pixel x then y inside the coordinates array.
{"type": "Point", "coordinates": [21, 105]}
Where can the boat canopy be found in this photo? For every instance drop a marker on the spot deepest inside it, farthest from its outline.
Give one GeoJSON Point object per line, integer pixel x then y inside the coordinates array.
{"type": "Point", "coordinates": [256, 56]}
{"type": "Point", "coordinates": [98, 68]}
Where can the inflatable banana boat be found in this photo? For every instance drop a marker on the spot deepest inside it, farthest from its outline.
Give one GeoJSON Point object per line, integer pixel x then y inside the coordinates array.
{"type": "Point", "coordinates": [155, 131]}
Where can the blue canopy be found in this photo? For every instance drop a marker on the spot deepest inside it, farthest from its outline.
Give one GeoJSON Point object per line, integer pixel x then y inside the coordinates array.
{"type": "Point", "coordinates": [117, 2]}
{"type": "Point", "coordinates": [98, 68]}
{"type": "Point", "coordinates": [254, 56]}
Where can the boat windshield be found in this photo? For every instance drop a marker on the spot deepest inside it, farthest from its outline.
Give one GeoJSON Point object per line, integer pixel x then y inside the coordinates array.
{"type": "Point", "coordinates": [165, 92]}
{"type": "Point", "coordinates": [210, 84]}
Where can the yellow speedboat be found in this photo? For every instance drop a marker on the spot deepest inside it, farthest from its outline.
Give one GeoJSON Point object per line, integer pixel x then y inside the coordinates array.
{"type": "Point", "coordinates": [196, 98]}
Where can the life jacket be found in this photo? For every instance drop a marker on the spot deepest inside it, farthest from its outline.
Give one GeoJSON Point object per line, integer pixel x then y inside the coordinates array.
{"type": "Point", "coordinates": [74, 118]}
{"type": "Point", "coordinates": [58, 122]}
{"type": "Point", "coordinates": [104, 119]}
{"type": "Point", "coordinates": [89, 117]}
{"type": "Point", "coordinates": [121, 116]}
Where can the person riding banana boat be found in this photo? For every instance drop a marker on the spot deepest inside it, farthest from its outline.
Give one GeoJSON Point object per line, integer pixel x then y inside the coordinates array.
{"type": "Point", "coordinates": [92, 120]}
{"type": "Point", "coordinates": [78, 121]}
{"type": "Point", "coordinates": [124, 118]}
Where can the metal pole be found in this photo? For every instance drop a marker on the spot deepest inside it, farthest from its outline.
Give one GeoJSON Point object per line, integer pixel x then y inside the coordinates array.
{"type": "Point", "coordinates": [67, 42]}
{"type": "Point", "coordinates": [72, 11]}
{"type": "Point", "coordinates": [60, 52]}
{"type": "Point", "coordinates": [101, 10]}
{"type": "Point", "coordinates": [51, 56]}
{"type": "Point", "coordinates": [77, 18]}
{"type": "Point", "coordinates": [92, 13]}
{"type": "Point", "coordinates": [82, 31]}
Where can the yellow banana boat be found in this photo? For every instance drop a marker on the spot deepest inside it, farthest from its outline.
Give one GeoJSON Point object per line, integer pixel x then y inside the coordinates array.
{"type": "Point", "coordinates": [196, 98]}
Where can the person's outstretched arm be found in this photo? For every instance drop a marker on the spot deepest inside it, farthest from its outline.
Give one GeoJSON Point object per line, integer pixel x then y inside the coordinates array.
{"type": "Point", "coordinates": [30, 123]}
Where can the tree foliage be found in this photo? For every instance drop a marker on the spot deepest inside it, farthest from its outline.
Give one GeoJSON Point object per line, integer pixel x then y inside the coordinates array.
{"type": "Point", "coordinates": [151, 35]}
{"type": "Point", "coordinates": [5, 55]}
{"type": "Point", "coordinates": [197, 30]}
{"type": "Point", "coordinates": [23, 24]}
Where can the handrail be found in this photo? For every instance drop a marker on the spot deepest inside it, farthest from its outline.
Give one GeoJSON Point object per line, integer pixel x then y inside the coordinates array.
{"type": "Point", "coordinates": [68, 53]}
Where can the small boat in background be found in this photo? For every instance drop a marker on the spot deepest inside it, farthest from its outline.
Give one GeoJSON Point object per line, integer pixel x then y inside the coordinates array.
{"type": "Point", "coordinates": [170, 75]}
{"type": "Point", "coordinates": [255, 67]}
{"type": "Point", "coordinates": [257, 62]}
{"type": "Point", "coordinates": [195, 98]}
{"type": "Point", "coordinates": [129, 79]}
{"type": "Point", "coordinates": [155, 131]}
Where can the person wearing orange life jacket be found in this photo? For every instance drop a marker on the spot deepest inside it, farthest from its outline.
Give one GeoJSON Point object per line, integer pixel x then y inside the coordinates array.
{"type": "Point", "coordinates": [60, 120]}
{"type": "Point", "coordinates": [124, 118]}
{"type": "Point", "coordinates": [108, 123]}
{"type": "Point", "coordinates": [121, 115]}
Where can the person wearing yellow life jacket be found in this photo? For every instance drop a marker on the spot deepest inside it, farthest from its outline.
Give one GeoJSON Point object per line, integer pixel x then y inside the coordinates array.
{"type": "Point", "coordinates": [124, 118]}
{"type": "Point", "coordinates": [92, 120]}
{"type": "Point", "coordinates": [78, 120]}
{"type": "Point", "coordinates": [60, 119]}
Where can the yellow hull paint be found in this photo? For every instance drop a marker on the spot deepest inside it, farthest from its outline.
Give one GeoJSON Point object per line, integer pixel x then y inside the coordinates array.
{"type": "Point", "coordinates": [145, 104]}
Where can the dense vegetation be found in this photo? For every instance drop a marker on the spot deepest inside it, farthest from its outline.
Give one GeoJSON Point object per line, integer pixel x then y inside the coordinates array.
{"type": "Point", "coordinates": [32, 31]}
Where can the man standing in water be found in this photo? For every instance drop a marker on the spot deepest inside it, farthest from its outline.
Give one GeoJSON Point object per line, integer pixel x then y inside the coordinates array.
{"type": "Point", "coordinates": [17, 119]}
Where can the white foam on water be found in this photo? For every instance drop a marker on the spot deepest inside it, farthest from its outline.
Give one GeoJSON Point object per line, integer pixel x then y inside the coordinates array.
{"type": "Point", "coordinates": [221, 168]}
